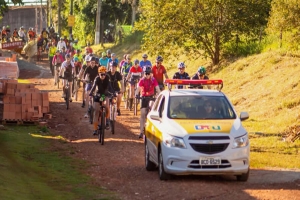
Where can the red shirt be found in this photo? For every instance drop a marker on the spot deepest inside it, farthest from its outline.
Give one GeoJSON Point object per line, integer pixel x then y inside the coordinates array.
{"type": "Point", "coordinates": [147, 86]}
{"type": "Point", "coordinates": [158, 73]}
{"type": "Point", "coordinates": [136, 71]}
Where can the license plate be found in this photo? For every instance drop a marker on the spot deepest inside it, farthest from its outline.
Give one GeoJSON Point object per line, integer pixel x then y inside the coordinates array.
{"type": "Point", "coordinates": [210, 161]}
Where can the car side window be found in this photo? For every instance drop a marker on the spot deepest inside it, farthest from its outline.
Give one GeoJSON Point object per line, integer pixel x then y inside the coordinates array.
{"type": "Point", "coordinates": [155, 106]}
{"type": "Point", "coordinates": [161, 107]}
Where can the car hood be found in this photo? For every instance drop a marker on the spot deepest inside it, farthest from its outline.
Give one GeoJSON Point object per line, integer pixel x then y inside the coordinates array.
{"type": "Point", "coordinates": [182, 127]}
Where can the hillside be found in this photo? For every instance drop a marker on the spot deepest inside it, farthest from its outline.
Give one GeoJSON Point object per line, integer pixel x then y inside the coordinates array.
{"type": "Point", "coordinates": [265, 85]}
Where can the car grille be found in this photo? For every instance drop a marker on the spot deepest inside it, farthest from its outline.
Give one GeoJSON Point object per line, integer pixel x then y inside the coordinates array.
{"type": "Point", "coordinates": [210, 148]}
{"type": "Point", "coordinates": [195, 164]}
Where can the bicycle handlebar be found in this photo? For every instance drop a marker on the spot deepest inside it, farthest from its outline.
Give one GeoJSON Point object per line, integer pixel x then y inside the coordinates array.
{"type": "Point", "coordinates": [149, 97]}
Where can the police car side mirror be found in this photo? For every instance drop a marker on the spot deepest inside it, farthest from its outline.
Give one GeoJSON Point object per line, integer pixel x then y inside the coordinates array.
{"type": "Point", "coordinates": [244, 116]}
{"type": "Point", "coordinates": [155, 117]}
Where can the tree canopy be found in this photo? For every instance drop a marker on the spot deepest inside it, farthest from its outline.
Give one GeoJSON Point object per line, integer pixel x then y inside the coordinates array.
{"type": "Point", "coordinates": [199, 25]}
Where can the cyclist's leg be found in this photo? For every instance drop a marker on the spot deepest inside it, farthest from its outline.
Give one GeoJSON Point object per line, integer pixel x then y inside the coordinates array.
{"type": "Point", "coordinates": [70, 89]}
{"type": "Point", "coordinates": [131, 94]}
{"type": "Point", "coordinates": [144, 107]}
{"type": "Point", "coordinates": [64, 82]}
{"type": "Point", "coordinates": [119, 99]}
{"type": "Point", "coordinates": [96, 117]}
{"type": "Point", "coordinates": [107, 112]}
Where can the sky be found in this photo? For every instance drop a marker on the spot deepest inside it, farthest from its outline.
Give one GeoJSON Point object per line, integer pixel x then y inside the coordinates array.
{"type": "Point", "coordinates": [29, 2]}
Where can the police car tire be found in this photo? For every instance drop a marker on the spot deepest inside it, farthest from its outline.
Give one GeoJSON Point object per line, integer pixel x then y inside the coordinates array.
{"type": "Point", "coordinates": [161, 171]}
{"type": "Point", "coordinates": [150, 166]}
{"type": "Point", "coordinates": [243, 177]}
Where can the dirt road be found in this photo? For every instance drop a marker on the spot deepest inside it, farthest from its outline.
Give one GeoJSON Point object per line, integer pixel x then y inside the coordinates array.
{"type": "Point", "coordinates": [118, 165]}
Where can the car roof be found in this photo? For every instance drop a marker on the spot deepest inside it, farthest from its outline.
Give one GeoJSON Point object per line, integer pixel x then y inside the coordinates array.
{"type": "Point", "coordinates": [193, 92]}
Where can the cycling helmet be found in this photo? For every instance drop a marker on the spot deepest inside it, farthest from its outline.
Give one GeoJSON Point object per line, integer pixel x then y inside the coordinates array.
{"type": "Point", "coordinates": [128, 56]}
{"type": "Point", "coordinates": [159, 59]}
{"type": "Point", "coordinates": [92, 58]}
{"type": "Point", "coordinates": [101, 69]}
{"type": "Point", "coordinates": [180, 65]}
{"type": "Point", "coordinates": [147, 69]}
{"type": "Point", "coordinates": [7, 26]}
{"type": "Point", "coordinates": [202, 70]}
{"type": "Point", "coordinates": [57, 51]}
{"type": "Point", "coordinates": [136, 61]}
{"type": "Point", "coordinates": [108, 51]}
{"type": "Point", "coordinates": [61, 38]}
{"type": "Point", "coordinates": [103, 54]}
{"type": "Point", "coordinates": [113, 55]}
{"type": "Point", "coordinates": [76, 59]}
{"type": "Point", "coordinates": [145, 56]}
{"type": "Point", "coordinates": [87, 58]}
{"type": "Point", "coordinates": [68, 55]}
{"type": "Point", "coordinates": [97, 60]}
{"type": "Point", "coordinates": [113, 64]}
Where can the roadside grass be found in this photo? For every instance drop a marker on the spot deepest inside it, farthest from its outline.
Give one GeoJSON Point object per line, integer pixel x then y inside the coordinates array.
{"type": "Point", "coordinates": [31, 168]}
{"type": "Point", "coordinates": [265, 85]}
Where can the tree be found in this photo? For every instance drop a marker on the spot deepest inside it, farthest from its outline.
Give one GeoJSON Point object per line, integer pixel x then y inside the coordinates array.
{"type": "Point", "coordinates": [134, 6]}
{"type": "Point", "coordinates": [199, 25]}
{"type": "Point", "coordinates": [284, 17]}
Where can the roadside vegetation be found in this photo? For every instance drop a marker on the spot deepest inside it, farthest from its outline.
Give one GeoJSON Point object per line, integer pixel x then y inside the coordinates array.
{"type": "Point", "coordinates": [34, 165]}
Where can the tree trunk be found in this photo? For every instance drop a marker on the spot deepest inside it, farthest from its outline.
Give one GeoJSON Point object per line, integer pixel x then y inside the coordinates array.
{"type": "Point", "coordinates": [216, 56]}
{"type": "Point", "coordinates": [59, 17]}
{"type": "Point", "coordinates": [134, 8]}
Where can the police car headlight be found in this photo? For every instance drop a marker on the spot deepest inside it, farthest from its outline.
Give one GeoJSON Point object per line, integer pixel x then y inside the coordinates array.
{"type": "Point", "coordinates": [241, 141]}
{"type": "Point", "coordinates": [171, 141]}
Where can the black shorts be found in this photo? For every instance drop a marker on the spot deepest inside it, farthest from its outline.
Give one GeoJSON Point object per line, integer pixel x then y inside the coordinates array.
{"type": "Point", "coordinates": [97, 99]}
{"type": "Point", "coordinates": [145, 103]}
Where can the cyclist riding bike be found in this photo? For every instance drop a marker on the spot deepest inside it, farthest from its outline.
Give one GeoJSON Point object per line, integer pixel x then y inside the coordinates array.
{"type": "Point", "coordinates": [90, 74]}
{"type": "Point", "coordinates": [57, 60]}
{"type": "Point", "coordinates": [200, 75]}
{"type": "Point", "coordinates": [115, 77]}
{"type": "Point", "coordinates": [103, 86]}
{"type": "Point", "coordinates": [145, 61]}
{"type": "Point", "coordinates": [104, 60]}
{"type": "Point", "coordinates": [86, 64]}
{"type": "Point", "coordinates": [67, 69]}
{"type": "Point", "coordinates": [159, 72]}
{"type": "Point", "coordinates": [133, 76]}
{"type": "Point", "coordinates": [181, 74]}
{"type": "Point", "coordinates": [146, 86]}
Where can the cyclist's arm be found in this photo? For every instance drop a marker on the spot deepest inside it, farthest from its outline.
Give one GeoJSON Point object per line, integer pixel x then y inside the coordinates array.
{"type": "Point", "coordinates": [128, 76]}
{"type": "Point", "coordinates": [137, 91]}
{"type": "Point", "coordinates": [122, 85]}
{"type": "Point", "coordinates": [166, 75]}
{"type": "Point", "coordinates": [61, 70]}
{"type": "Point", "coordinates": [157, 89]}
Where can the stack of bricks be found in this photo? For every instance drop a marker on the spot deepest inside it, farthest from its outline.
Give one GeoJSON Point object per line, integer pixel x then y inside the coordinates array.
{"type": "Point", "coordinates": [23, 102]}
{"type": "Point", "coordinates": [9, 67]}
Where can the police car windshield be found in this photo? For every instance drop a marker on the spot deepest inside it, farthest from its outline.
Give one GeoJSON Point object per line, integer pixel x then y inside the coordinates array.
{"type": "Point", "coordinates": [204, 107]}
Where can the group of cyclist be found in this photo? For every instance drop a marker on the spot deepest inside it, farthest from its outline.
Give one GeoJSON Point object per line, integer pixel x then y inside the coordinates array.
{"type": "Point", "coordinates": [107, 76]}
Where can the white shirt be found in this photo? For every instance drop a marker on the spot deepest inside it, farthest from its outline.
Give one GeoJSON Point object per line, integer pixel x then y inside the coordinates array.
{"type": "Point", "coordinates": [64, 65]}
{"type": "Point", "coordinates": [61, 44]}
{"type": "Point", "coordinates": [21, 33]}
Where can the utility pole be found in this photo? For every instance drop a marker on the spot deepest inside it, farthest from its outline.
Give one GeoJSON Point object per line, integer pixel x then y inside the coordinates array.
{"type": "Point", "coordinates": [71, 13]}
{"type": "Point", "coordinates": [98, 22]}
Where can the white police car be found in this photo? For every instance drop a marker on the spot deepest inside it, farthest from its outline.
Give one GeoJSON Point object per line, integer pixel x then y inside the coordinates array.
{"type": "Point", "coordinates": [196, 131]}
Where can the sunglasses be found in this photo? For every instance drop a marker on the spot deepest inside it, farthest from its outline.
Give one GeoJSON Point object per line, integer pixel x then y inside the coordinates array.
{"type": "Point", "coordinates": [102, 74]}
{"type": "Point", "coordinates": [147, 74]}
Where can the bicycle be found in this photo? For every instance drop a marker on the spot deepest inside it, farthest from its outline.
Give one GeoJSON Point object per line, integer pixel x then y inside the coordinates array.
{"type": "Point", "coordinates": [67, 92]}
{"type": "Point", "coordinates": [76, 84]}
{"type": "Point", "coordinates": [136, 101]}
{"type": "Point", "coordinates": [113, 111]}
{"type": "Point", "coordinates": [91, 110]}
{"type": "Point", "coordinates": [102, 113]}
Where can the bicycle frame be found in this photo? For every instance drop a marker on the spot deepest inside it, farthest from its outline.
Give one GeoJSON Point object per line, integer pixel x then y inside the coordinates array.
{"type": "Point", "coordinates": [113, 110]}
{"type": "Point", "coordinates": [102, 113]}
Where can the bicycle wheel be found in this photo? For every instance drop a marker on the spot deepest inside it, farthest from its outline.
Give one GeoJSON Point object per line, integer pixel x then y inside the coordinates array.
{"type": "Point", "coordinates": [135, 107]}
{"type": "Point", "coordinates": [91, 114]}
{"type": "Point", "coordinates": [67, 99]}
{"type": "Point", "coordinates": [112, 119]}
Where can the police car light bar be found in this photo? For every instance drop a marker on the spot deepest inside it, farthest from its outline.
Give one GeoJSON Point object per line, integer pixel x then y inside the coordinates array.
{"type": "Point", "coordinates": [194, 82]}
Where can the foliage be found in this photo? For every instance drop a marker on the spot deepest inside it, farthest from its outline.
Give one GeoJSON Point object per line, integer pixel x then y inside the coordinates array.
{"type": "Point", "coordinates": [4, 7]}
{"type": "Point", "coordinates": [284, 18]}
{"type": "Point", "coordinates": [200, 25]}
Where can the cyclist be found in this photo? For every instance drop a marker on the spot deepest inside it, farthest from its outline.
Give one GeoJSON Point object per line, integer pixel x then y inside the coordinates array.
{"type": "Point", "coordinates": [45, 35]}
{"type": "Point", "coordinates": [90, 74]}
{"type": "Point", "coordinates": [146, 85]}
{"type": "Point", "coordinates": [104, 61]}
{"type": "Point", "coordinates": [61, 43]}
{"type": "Point", "coordinates": [113, 58]}
{"type": "Point", "coordinates": [76, 45]}
{"type": "Point", "coordinates": [200, 74]}
{"type": "Point", "coordinates": [51, 53]}
{"type": "Point", "coordinates": [125, 70]}
{"type": "Point", "coordinates": [80, 76]}
{"type": "Point", "coordinates": [88, 49]}
{"type": "Point", "coordinates": [103, 86]}
{"type": "Point", "coordinates": [133, 76]}
{"type": "Point", "coordinates": [57, 60]}
{"type": "Point", "coordinates": [181, 74]}
{"type": "Point", "coordinates": [122, 61]}
{"type": "Point", "coordinates": [108, 53]}
{"type": "Point", "coordinates": [145, 61]}
{"type": "Point", "coordinates": [67, 69]}
{"type": "Point", "coordinates": [114, 78]}
{"type": "Point", "coordinates": [159, 72]}
{"type": "Point", "coordinates": [78, 55]}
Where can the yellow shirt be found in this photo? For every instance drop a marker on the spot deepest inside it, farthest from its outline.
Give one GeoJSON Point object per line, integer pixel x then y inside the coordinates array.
{"type": "Point", "coordinates": [52, 51]}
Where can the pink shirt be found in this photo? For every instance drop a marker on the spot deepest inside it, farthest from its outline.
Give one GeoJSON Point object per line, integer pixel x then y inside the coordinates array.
{"type": "Point", "coordinates": [147, 86]}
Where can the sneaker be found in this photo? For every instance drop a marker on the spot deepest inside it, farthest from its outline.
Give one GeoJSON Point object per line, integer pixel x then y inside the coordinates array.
{"type": "Point", "coordinates": [86, 116]}
{"type": "Point", "coordinates": [141, 135]}
{"type": "Point", "coordinates": [107, 126]}
{"type": "Point", "coordinates": [95, 132]}
{"type": "Point", "coordinates": [83, 104]}
{"type": "Point", "coordinates": [119, 112]}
